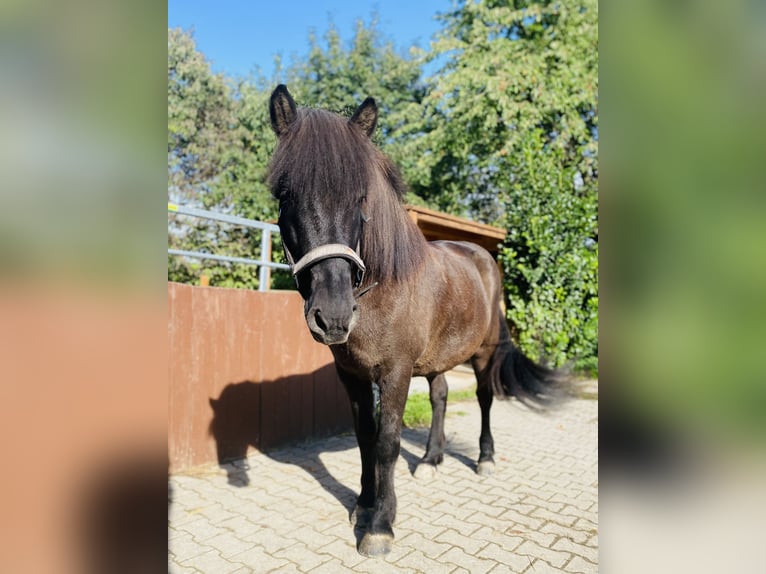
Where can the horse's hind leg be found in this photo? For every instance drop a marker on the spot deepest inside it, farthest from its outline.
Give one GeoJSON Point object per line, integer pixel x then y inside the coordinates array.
{"type": "Point", "coordinates": [435, 448]}
{"type": "Point", "coordinates": [480, 361]}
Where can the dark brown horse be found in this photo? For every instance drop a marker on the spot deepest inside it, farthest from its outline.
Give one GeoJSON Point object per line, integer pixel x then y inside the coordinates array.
{"type": "Point", "coordinates": [389, 304]}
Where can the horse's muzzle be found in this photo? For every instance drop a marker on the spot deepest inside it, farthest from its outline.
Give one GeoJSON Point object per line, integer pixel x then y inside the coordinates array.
{"type": "Point", "coordinates": [330, 327]}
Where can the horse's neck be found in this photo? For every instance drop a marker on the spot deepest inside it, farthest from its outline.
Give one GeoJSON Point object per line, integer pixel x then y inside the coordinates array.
{"type": "Point", "coordinates": [397, 248]}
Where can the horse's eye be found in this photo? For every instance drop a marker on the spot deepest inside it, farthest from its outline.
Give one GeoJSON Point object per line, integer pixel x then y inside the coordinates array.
{"type": "Point", "coordinates": [363, 209]}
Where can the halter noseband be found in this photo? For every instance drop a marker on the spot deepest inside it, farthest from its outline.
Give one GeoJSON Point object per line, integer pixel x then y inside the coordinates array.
{"type": "Point", "coordinates": [328, 251]}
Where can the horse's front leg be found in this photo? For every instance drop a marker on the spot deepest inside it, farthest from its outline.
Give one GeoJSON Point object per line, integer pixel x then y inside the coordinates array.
{"type": "Point", "coordinates": [379, 537]}
{"type": "Point", "coordinates": [363, 410]}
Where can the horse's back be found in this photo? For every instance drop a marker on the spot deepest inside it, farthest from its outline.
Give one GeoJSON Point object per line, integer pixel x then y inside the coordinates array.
{"type": "Point", "coordinates": [463, 252]}
{"type": "Point", "coordinates": [464, 281]}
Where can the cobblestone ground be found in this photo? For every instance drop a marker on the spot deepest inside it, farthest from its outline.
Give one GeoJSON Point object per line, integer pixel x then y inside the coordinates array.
{"type": "Point", "coordinates": [289, 511]}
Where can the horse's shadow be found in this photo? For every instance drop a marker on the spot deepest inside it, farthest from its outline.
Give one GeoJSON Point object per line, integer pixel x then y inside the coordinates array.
{"type": "Point", "coordinates": [419, 438]}
{"type": "Point", "coordinates": [237, 425]}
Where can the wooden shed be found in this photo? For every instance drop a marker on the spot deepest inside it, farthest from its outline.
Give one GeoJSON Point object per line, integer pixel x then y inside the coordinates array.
{"type": "Point", "coordinates": [437, 225]}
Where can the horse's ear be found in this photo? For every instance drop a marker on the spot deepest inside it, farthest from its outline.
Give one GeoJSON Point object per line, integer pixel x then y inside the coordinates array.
{"type": "Point", "coordinates": [282, 110]}
{"type": "Point", "coordinates": [366, 116]}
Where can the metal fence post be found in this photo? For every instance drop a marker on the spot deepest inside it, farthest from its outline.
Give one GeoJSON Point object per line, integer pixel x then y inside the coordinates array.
{"type": "Point", "coordinates": [264, 274]}
{"type": "Point", "coordinates": [265, 262]}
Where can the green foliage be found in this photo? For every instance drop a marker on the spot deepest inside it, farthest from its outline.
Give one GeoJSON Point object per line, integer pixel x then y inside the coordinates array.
{"type": "Point", "coordinates": [462, 395]}
{"type": "Point", "coordinates": [200, 117]}
{"type": "Point", "coordinates": [505, 132]}
{"type": "Point", "coordinates": [220, 138]}
{"type": "Point", "coordinates": [217, 158]}
{"type": "Point", "coordinates": [337, 78]}
{"type": "Point", "coordinates": [550, 258]}
{"type": "Point", "coordinates": [509, 136]}
{"type": "Point", "coordinates": [508, 68]}
{"type": "Point", "coordinates": [417, 410]}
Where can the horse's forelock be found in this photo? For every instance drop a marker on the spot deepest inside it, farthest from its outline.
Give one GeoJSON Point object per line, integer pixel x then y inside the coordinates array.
{"type": "Point", "coordinates": [321, 156]}
{"type": "Point", "coordinates": [326, 158]}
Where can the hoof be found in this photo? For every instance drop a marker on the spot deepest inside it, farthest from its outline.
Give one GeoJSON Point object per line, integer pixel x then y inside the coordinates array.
{"type": "Point", "coordinates": [425, 471]}
{"type": "Point", "coordinates": [485, 468]}
{"type": "Point", "coordinates": [360, 516]}
{"type": "Point", "coordinates": [375, 544]}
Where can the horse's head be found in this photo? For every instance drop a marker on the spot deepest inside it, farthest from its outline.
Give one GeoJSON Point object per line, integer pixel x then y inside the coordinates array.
{"type": "Point", "coordinates": [320, 175]}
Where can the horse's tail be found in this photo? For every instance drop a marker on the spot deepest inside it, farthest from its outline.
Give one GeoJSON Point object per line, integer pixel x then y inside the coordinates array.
{"type": "Point", "coordinates": [511, 373]}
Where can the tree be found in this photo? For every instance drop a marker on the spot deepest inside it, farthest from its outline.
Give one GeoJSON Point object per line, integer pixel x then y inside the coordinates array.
{"type": "Point", "coordinates": [220, 139]}
{"type": "Point", "coordinates": [508, 68]}
{"type": "Point", "coordinates": [505, 132]}
{"type": "Point", "coordinates": [550, 257]}
{"type": "Point", "coordinates": [200, 119]}
{"type": "Point", "coordinates": [509, 136]}
{"type": "Point", "coordinates": [217, 157]}
{"type": "Point", "coordinates": [339, 78]}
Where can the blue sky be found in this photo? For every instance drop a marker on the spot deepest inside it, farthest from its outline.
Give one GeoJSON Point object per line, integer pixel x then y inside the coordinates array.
{"type": "Point", "coordinates": [238, 35]}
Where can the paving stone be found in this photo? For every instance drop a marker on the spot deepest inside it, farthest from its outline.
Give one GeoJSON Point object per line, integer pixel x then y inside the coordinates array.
{"type": "Point", "coordinates": [330, 567]}
{"type": "Point", "coordinates": [201, 529]}
{"type": "Point", "coordinates": [211, 561]}
{"type": "Point", "coordinates": [473, 564]}
{"type": "Point", "coordinates": [258, 560]}
{"type": "Point", "coordinates": [555, 558]}
{"type": "Point", "coordinates": [593, 541]}
{"type": "Point", "coordinates": [419, 562]}
{"type": "Point", "coordinates": [308, 558]}
{"type": "Point", "coordinates": [512, 516]}
{"type": "Point", "coordinates": [565, 545]}
{"type": "Point", "coordinates": [502, 569]}
{"type": "Point", "coordinates": [542, 567]}
{"type": "Point", "coordinates": [384, 565]}
{"type": "Point", "coordinates": [450, 521]}
{"type": "Point", "coordinates": [416, 541]}
{"type": "Point", "coordinates": [463, 541]}
{"type": "Point", "coordinates": [183, 547]}
{"type": "Point", "coordinates": [537, 513]}
{"type": "Point", "coordinates": [215, 514]}
{"type": "Point", "coordinates": [227, 544]}
{"type": "Point", "coordinates": [579, 566]}
{"type": "Point", "coordinates": [557, 517]}
{"type": "Point", "coordinates": [239, 524]}
{"type": "Point", "coordinates": [516, 562]}
{"type": "Point", "coordinates": [345, 551]}
{"type": "Point", "coordinates": [542, 538]}
{"type": "Point", "coordinates": [557, 530]}
{"type": "Point", "coordinates": [269, 539]}
{"type": "Point", "coordinates": [178, 569]}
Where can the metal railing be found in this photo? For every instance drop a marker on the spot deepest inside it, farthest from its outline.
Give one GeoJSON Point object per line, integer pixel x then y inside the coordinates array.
{"type": "Point", "coordinates": [267, 229]}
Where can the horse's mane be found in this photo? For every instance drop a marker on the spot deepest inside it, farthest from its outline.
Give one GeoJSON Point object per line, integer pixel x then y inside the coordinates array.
{"type": "Point", "coordinates": [327, 157]}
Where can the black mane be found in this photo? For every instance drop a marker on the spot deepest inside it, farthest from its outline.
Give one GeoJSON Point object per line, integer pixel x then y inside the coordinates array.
{"type": "Point", "coordinates": [336, 164]}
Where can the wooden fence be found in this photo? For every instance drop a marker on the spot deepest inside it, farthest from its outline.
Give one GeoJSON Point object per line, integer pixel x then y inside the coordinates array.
{"type": "Point", "coordinates": [244, 373]}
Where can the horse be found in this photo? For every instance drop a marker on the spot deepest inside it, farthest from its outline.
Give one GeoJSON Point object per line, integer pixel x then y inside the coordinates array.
{"type": "Point", "coordinates": [389, 304]}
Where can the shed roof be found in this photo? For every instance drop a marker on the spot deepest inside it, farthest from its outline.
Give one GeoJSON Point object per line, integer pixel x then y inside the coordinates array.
{"type": "Point", "coordinates": [437, 225]}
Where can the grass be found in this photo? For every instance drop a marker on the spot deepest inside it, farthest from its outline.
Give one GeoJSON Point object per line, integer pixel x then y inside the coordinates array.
{"type": "Point", "coordinates": [417, 411]}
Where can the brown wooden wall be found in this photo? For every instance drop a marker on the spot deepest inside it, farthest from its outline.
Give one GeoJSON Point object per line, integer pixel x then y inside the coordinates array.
{"type": "Point", "coordinates": [244, 373]}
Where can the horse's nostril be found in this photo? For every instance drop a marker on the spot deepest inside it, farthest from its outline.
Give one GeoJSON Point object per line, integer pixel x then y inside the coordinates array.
{"type": "Point", "coordinates": [355, 309]}
{"type": "Point", "coordinates": [319, 321]}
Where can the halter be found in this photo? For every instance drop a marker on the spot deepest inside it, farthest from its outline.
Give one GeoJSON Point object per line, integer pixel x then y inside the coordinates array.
{"type": "Point", "coordinates": [328, 251]}
{"type": "Point", "coordinates": [331, 251]}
